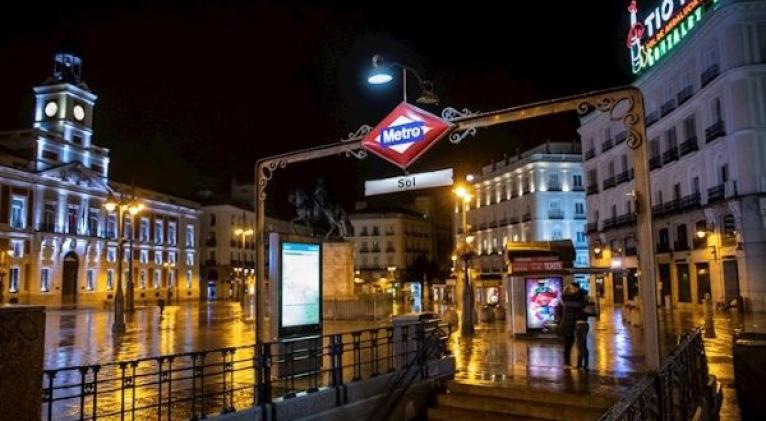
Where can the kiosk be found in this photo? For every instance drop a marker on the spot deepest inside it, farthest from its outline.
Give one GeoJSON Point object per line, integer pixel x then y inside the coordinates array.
{"type": "Point", "coordinates": [536, 275]}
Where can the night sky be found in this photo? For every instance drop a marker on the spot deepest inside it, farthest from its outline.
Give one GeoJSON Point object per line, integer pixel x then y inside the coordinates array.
{"type": "Point", "coordinates": [192, 93]}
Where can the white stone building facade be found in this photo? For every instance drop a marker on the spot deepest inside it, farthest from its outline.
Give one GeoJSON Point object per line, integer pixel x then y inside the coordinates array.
{"type": "Point", "coordinates": [537, 195]}
{"type": "Point", "coordinates": [60, 244]}
{"type": "Point", "coordinates": [706, 127]}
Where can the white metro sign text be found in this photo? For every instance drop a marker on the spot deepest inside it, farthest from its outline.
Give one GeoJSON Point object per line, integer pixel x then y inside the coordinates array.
{"type": "Point", "coordinates": [408, 182]}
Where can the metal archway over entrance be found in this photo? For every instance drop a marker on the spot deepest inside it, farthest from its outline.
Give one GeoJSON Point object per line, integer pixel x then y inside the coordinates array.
{"type": "Point", "coordinates": [622, 104]}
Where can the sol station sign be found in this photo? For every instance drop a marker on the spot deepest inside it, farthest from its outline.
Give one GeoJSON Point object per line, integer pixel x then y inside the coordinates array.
{"type": "Point", "coordinates": [405, 135]}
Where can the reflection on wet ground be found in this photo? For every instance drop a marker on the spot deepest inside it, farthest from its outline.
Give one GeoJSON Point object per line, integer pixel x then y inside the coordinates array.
{"type": "Point", "coordinates": [616, 354]}
{"type": "Point", "coordinates": [78, 337]}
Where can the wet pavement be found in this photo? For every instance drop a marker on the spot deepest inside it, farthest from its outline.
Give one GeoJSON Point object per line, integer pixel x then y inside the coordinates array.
{"type": "Point", "coordinates": [616, 354]}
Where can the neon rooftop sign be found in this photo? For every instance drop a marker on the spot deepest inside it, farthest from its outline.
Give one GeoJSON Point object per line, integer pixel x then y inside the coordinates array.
{"type": "Point", "coordinates": [661, 29]}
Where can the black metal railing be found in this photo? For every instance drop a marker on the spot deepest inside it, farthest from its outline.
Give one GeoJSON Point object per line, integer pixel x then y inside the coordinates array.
{"type": "Point", "coordinates": [663, 248]}
{"type": "Point", "coordinates": [590, 153]}
{"type": "Point", "coordinates": [578, 188]}
{"type": "Point", "coordinates": [555, 214]}
{"type": "Point", "coordinates": [526, 217]}
{"type": "Point", "coordinates": [43, 227]}
{"type": "Point", "coordinates": [684, 94]}
{"type": "Point", "coordinates": [669, 155]}
{"type": "Point", "coordinates": [606, 145]}
{"type": "Point", "coordinates": [626, 219]}
{"type": "Point", "coordinates": [681, 245]}
{"type": "Point", "coordinates": [709, 74]}
{"type": "Point", "coordinates": [592, 189]}
{"type": "Point", "coordinates": [667, 107]}
{"type": "Point", "coordinates": [674, 392]}
{"type": "Point", "coordinates": [652, 118]}
{"type": "Point", "coordinates": [579, 216]}
{"type": "Point", "coordinates": [193, 385]}
{"type": "Point", "coordinates": [716, 193]}
{"type": "Point", "coordinates": [655, 162]}
{"type": "Point", "coordinates": [609, 223]}
{"type": "Point", "coordinates": [688, 146]}
{"type": "Point", "coordinates": [591, 227]}
{"type": "Point", "coordinates": [609, 182]}
{"type": "Point", "coordinates": [623, 177]}
{"type": "Point", "coordinates": [554, 187]}
{"type": "Point", "coordinates": [691, 201]}
{"type": "Point", "coordinates": [715, 131]}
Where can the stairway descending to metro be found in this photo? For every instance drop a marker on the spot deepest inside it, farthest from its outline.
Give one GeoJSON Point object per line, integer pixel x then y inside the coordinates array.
{"type": "Point", "coordinates": [465, 401]}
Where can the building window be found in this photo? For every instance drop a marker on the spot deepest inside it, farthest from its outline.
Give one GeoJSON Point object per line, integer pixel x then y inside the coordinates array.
{"type": "Point", "coordinates": [142, 279]}
{"type": "Point", "coordinates": [17, 247]}
{"type": "Point", "coordinates": [157, 275]}
{"type": "Point", "coordinates": [212, 220]}
{"type": "Point", "coordinates": [172, 233]}
{"type": "Point", "coordinates": [144, 256]}
{"type": "Point", "coordinates": [158, 258]}
{"type": "Point", "coordinates": [715, 111]}
{"type": "Point", "coordinates": [671, 140]}
{"type": "Point", "coordinates": [577, 180]}
{"type": "Point", "coordinates": [189, 259]}
{"type": "Point", "coordinates": [93, 222]}
{"type": "Point", "coordinates": [579, 208]}
{"type": "Point", "coordinates": [71, 219]}
{"type": "Point", "coordinates": [127, 228]}
{"type": "Point", "coordinates": [45, 279]}
{"type": "Point", "coordinates": [690, 129]}
{"type": "Point", "coordinates": [171, 278]}
{"type": "Point", "coordinates": [90, 280]}
{"type": "Point", "coordinates": [190, 236]}
{"type": "Point", "coordinates": [553, 182]}
{"type": "Point", "coordinates": [143, 234]}
{"type": "Point", "coordinates": [654, 148]}
{"type": "Point", "coordinates": [724, 174]}
{"type": "Point", "coordinates": [49, 217]}
{"type": "Point", "coordinates": [172, 257]}
{"type": "Point", "coordinates": [111, 254]}
{"type": "Point", "coordinates": [189, 278]}
{"type": "Point", "coordinates": [580, 237]}
{"type": "Point", "coordinates": [158, 229]}
{"type": "Point", "coordinates": [13, 280]}
{"type": "Point", "coordinates": [111, 226]}
{"type": "Point", "coordinates": [110, 279]}
{"type": "Point", "coordinates": [17, 212]}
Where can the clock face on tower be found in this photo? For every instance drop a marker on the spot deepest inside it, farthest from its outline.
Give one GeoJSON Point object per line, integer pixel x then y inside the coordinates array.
{"type": "Point", "coordinates": [51, 108]}
{"type": "Point", "coordinates": [79, 112]}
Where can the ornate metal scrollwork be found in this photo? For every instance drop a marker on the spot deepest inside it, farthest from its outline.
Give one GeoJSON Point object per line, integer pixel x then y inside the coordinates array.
{"type": "Point", "coordinates": [267, 171]}
{"type": "Point", "coordinates": [359, 134]}
{"type": "Point", "coordinates": [458, 136]}
{"type": "Point", "coordinates": [631, 117]}
{"type": "Point", "coordinates": [452, 114]}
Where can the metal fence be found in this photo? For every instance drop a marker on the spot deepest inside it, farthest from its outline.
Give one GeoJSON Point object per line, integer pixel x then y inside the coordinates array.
{"type": "Point", "coordinates": [189, 386]}
{"type": "Point", "coordinates": [674, 392]}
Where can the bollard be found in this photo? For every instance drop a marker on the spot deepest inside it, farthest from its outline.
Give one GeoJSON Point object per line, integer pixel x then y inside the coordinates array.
{"type": "Point", "coordinates": [709, 325]}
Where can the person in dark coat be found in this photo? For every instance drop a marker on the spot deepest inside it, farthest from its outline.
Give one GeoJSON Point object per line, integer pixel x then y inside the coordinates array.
{"type": "Point", "coordinates": [573, 302]}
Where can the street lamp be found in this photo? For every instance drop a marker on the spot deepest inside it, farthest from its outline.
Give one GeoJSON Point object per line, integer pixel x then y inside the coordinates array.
{"type": "Point", "coordinates": [132, 207]}
{"type": "Point", "coordinates": [381, 73]}
{"type": "Point", "coordinates": [242, 233]}
{"type": "Point", "coordinates": [465, 250]}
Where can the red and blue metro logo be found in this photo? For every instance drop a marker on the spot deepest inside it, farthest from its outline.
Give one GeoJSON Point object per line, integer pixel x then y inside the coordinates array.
{"type": "Point", "coordinates": [405, 134]}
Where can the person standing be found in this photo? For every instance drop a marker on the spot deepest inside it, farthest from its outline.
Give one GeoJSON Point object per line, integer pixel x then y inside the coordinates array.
{"type": "Point", "coordinates": [573, 302]}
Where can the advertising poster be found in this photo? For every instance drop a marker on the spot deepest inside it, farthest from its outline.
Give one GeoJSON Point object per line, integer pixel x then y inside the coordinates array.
{"type": "Point", "coordinates": [300, 292]}
{"type": "Point", "coordinates": [543, 296]}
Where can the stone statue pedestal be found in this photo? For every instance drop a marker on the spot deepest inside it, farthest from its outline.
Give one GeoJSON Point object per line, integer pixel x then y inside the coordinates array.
{"type": "Point", "coordinates": [22, 340]}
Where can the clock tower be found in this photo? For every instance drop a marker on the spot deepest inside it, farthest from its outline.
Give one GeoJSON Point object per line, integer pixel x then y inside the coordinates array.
{"type": "Point", "coordinates": [64, 117]}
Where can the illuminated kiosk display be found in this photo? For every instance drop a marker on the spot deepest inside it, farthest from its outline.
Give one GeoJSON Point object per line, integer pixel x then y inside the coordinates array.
{"type": "Point", "coordinates": [300, 289]}
{"type": "Point", "coordinates": [535, 279]}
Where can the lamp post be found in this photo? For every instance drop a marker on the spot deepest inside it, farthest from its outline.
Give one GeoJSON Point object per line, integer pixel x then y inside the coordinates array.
{"type": "Point", "coordinates": [381, 73]}
{"type": "Point", "coordinates": [243, 233]}
{"type": "Point", "coordinates": [466, 251]}
{"type": "Point", "coordinates": [132, 207]}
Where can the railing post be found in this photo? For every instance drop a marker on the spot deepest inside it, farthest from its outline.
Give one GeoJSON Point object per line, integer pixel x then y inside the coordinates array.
{"type": "Point", "coordinates": [336, 367]}
{"type": "Point", "coordinates": [160, 378]}
{"type": "Point", "coordinates": [357, 338]}
{"type": "Point", "coordinates": [48, 392]}
{"type": "Point", "coordinates": [264, 374]}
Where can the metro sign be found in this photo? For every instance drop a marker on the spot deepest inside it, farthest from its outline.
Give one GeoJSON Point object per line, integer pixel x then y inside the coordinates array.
{"type": "Point", "coordinates": [405, 134]}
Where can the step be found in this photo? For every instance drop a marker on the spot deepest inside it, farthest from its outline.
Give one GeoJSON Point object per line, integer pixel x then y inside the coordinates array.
{"type": "Point", "coordinates": [519, 408]}
{"type": "Point", "coordinates": [537, 394]}
{"type": "Point", "coordinates": [441, 413]}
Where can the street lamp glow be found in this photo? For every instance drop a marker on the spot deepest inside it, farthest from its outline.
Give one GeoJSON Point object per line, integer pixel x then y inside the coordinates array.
{"type": "Point", "coordinates": [238, 231]}
{"type": "Point", "coordinates": [461, 191]}
{"type": "Point", "coordinates": [379, 77]}
{"type": "Point", "coordinates": [701, 234]}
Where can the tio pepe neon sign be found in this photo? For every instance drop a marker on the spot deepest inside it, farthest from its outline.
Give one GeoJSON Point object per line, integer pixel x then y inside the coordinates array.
{"type": "Point", "coordinates": [661, 29]}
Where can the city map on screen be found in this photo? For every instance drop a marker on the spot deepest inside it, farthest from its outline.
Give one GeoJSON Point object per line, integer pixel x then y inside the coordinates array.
{"type": "Point", "coordinates": [300, 284]}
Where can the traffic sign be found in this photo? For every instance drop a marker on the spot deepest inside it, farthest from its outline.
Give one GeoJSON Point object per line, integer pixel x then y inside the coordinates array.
{"type": "Point", "coordinates": [408, 182]}
{"type": "Point", "coordinates": [405, 134]}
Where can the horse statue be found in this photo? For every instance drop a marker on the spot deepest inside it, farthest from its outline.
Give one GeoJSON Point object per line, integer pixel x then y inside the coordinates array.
{"type": "Point", "coordinates": [316, 210]}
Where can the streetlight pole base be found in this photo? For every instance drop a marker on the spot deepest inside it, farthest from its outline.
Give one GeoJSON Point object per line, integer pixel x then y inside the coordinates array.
{"type": "Point", "coordinates": [118, 326]}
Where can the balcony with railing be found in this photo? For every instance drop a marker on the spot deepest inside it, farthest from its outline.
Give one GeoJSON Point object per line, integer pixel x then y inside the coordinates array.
{"type": "Point", "coordinates": [709, 74]}
{"type": "Point", "coordinates": [606, 145]}
{"type": "Point", "coordinates": [623, 177]}
{"type": "Point", "coordinates": [655, 162]}
{"type": "Point", "coordinates": [591, 227]}
{"type": "Point", "coordinates": [664, 208]}
{"type": "Point", "coordinates": [688, 146]}
{"type": "Point", "coordinates": [691, 201]}
{"type": "Point", "coordinates": [684, 94]}
{"type": "Point", "coordinates": [555, 214]}
{"type": "Point", "coordinates": [609, 182]}
{"type": "Point", "coordinates": [375, 249]}
{"type": "Point", "coordinates": [482, 226]}
{"type": "Point", "coordinates": [626, 219]}
{"type": "Point", "coordinates": [652, 118]}
{"type": "Point", "coordinates": [49, 227]}
{"type": "Point", "coordinates": [669, 155]}
{"type": "Point", "coordinates": [554, 187]}
{"type": "Point", "coordinates": [579, 216]}
{"type": "Point", "coordinates": [526, 189]}
{"type": "Point", "coordinates": [609, 223]}
{"type": "Point", "coordinates": [390, 249]}
{"type": "Point", "coordinates": [681, 245]}
{"type": "Point", "coordinates": [364, 250]}
{"type": "Point", "coordinates": [592, 189]}
{"type": "Point", "coordinates": [621, 136]}
{"type": "Point", "coordinates": [716, 193]}
{"type": "Point", "coordinates": [578, 188]}
{"type": "Point", "coordinates": [715, 131]}
{"type": "Point", "coordinates": [590, 153]}
{"type": "Point", "coordinates": [526, 217]}
{"type": "Point", "coordinates": [699, 243]}
{"type": "Point", "coordinates": [667, 107]}
{"type": "Point", "coordinates": [663, 248]}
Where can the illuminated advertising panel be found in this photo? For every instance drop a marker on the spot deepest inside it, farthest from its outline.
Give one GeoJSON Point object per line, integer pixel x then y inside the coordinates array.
{"type": "Point", "coordinates": [543, 296]}
{"type": "Point", "coordinates": [300, 288]}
